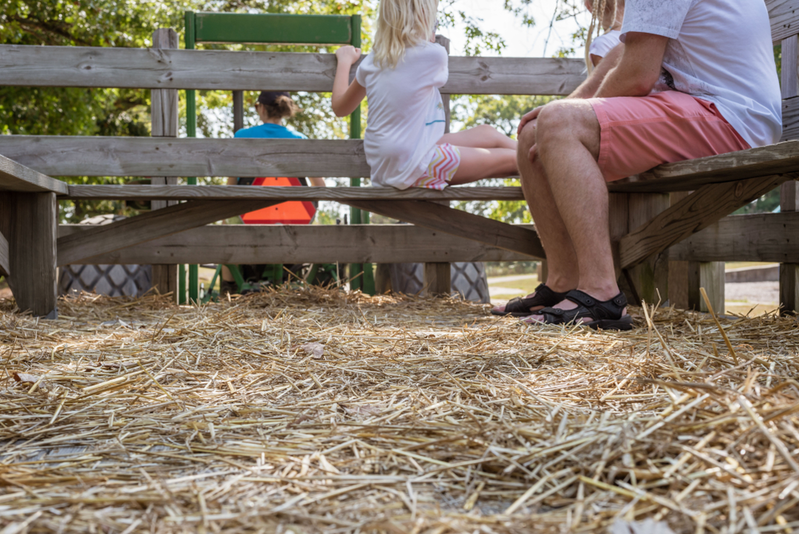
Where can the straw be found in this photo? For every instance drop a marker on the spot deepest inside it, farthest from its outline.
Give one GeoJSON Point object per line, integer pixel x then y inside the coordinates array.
{"type": "Point", "coordinates": [313, 410]}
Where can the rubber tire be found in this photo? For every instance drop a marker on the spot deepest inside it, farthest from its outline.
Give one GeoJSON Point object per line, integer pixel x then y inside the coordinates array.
{"type": "Point", "coordinates": [468, 280]}
{"type": "Point", "coordinates": [110, 280]}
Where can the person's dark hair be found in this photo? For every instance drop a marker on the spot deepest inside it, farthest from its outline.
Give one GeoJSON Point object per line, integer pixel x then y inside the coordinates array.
{"type": "Point", "coordinates": [278, 105]}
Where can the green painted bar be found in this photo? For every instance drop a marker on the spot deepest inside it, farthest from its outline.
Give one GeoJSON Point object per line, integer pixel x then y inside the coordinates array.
{"type": "Point", "coordinates": [272, 28]}
{"type": "Point", "coordinates": [191, 131]}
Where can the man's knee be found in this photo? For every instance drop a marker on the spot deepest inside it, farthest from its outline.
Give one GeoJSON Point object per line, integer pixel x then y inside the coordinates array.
{"type": "Point", "coordinates": [574, 119]}
{"type": "Point", "coordinates": [527, 136]}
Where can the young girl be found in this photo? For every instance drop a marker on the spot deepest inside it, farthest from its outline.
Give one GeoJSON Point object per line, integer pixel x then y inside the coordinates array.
{"type": "Point", "coordinates": [607, 18]}
{"type": "Point", "coordinates": [405, 142]}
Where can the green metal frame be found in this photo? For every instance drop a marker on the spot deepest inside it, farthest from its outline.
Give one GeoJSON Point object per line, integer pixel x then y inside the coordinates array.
{"type": "Point", "coordinates": [244, 28]}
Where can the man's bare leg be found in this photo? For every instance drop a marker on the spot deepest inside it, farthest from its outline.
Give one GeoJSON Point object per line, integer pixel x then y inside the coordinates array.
{"type": "Point", "coordinates": [568, 148]}
{"type": "Point", "coordinates": [561, 259]}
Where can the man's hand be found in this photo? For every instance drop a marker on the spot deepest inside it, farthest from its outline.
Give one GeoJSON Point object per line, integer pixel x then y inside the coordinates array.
{"type": "Point", "coordinates": [529, 116]}
{"type": "Point", "coordinates": [348, 54]}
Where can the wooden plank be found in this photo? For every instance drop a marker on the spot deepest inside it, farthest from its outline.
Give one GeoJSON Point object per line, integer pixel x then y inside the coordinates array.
{"type": "Point", "coordinates": [459, 223]}
{"type": "Point", "coordinates": [651, 276]}
{"type": "Point", "coordinates": [5, 265]}
{"type": "Point", "coordinates": [711, 277]}
{"type": "Point", "coordinates": [164, 123]}
{"type": "Point", "coordinates": [692, 214]}
{"type": "Point", "coordinates": [784, 17]}
{"type": "Point", "coordinates": [760, 237]}
{"type": "Point", "coordinates": [790, 60]}
{"type": "Point", "coordinates": [160, 223]}
{"type": "Point", "coordinates": [437, 279]}
{"type": "Point", "coordinates": [789, 272]}
{"type": "Point", "coordinates": [143, 156]}
{"type": "Point", "coordinates": [16, 177]}
{"type": "Point", "coordinates": [691, 174]}
{"type": "Point", "coordinates": [29, 223]}
{"type": "Point", "coordinates": [257, 244]}
{"type": "Point", "coordinates": [242, 192]}
{"type": "Point", "coordinates": [790, 119]}
{"type": "Point", "coordinates": [151, 68]}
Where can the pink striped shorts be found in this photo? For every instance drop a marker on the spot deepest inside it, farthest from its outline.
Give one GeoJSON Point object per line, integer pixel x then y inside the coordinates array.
{"type": "Point", "coordinates": [442, 168]}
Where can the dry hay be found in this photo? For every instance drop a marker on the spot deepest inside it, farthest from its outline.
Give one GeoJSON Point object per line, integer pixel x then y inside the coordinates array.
{"type": "Point", "coordinates": [309, 411]}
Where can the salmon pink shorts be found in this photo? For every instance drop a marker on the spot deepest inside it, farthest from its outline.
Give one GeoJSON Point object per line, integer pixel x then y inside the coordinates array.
{"type": "Point", "coordinates": [639, 133]}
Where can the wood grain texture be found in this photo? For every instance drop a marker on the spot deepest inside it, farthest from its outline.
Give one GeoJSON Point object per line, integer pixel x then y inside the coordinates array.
{"type": "Point", "coordinates": [142, 156]}
{"type": "Point", "coordinates": [243, 192]}
{"type": "Point", "coordinates": [5, 265]}
{"type": "Point", "coordinates": [152, 68]}
{"type": "Point", "coordinates": [17, 177]}
{"type": "Point", "coordinates": [760, 237]}
{"type": "Point", "coordinates": [692, 214]}
{"type": "Point", "coordinates": [159, 223]}
{"type": "Point", "coordinates": [784, 17]}
{"type": "Point", "coordinates": [256, 244]}
{"type": "Point", "coordinates": [651, 276]}
{"type": "Point", "coordinates": [790, 59]}
{"type": "Point", "coordinates": [29, 223]}
{"type": "Point", "coordinates": [789, 272]}
{"type": "Point", "coordinates": [691, 174]}
{"type": "Point", "coordinates": [790, 119]}
{"type": "Point", "coordinates": [437, 279]}
{"type": "Point", "coordinates": [164, 109]}
{"type": "Point", "coordinates": [458, 223]}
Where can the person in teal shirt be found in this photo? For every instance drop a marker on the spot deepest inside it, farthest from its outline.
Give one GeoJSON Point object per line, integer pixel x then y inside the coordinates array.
{"type": "Point", "coordinates": [273, 107]}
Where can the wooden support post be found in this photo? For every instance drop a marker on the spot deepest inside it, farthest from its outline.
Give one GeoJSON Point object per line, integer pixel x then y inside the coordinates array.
{"type": "Point", "coordinates": [651, 276]}
{"type": "Point", "coordinates": [29, 222]}
{"type": "Point", "coordinates": [164, 124]}
{"type": "Point", "coordinates": [687, 277]}
{"type": "Point", "coordinates": [5, 265]}
{"type": "Point", "coordinates": [437, 279]}
{"type": "Point", "coordinates": [238, 110]}
{"type": "Point", "coordinates": [619, 222]}
{"type": "Point", "coordinates": [437, 276]}
{"type": "Point", "coordinates": [789, 272]}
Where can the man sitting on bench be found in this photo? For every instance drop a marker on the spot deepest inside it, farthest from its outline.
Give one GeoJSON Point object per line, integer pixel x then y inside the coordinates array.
{"type": "Point", "coordinates": [694, 78]}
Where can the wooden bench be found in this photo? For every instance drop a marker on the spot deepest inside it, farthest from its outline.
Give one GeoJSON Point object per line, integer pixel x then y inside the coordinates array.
{"type": "Point", "coordinates": [667, 224]}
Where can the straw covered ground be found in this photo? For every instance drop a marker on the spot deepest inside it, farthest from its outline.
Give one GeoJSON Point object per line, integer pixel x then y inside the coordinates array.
{"type": "Point", "coordinates": [312, 410]}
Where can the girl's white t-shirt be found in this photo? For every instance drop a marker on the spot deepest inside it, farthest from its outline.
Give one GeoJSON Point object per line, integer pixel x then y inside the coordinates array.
{"type": "Point", "coordinates": [719, 51]}
{"type": "Point", "coordinates": [406, 115]}
{"type": "Point", "coordinates": [604, 43]}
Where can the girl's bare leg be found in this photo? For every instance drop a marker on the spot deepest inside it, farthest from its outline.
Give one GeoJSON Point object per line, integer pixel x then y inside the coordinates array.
{"type": "Point", "coordinates": [479, 163]}
{"type": "Point", "coordinates": [479, 137]}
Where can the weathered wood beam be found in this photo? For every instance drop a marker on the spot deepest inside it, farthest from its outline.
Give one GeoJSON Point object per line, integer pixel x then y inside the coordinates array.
{"type": "Point", "coordinates": [694, 213]}
{"type": "Point", "coordinates": [689, 175]}
{"type": "Point", "coordinates": [437, 279]}
{"type": "Point", "coordinates": [17, 177]}
{"type": "Point", "coordinates": [29, 223]}
{"type": "Point", "coordinates": [108, 238]}
{"type": "Point", "coordinates": [242, 192]}
{"type": "Point", "coordinates": [459, 223]}
{"type": "Point", "coordinates": [758, 237]}
{"type": "Point", "coordinates": [257, 244]}
{"type": "Point", "coordinates": [152, 68]}
{"type": "Point", "coordinates": [5, 264]}
{"type": "Point", "coordinates": [789, 272]}
{"type": "Point", "coordinates": [784, 17]}
{"type": "Point", "coordinates": [143, 156]}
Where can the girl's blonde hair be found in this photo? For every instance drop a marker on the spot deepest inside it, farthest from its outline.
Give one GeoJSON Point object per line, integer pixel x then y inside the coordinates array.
{"type": "Point", "coordinates": [400, 24]}
{"type": "Point", "coordinates": [599, 15]}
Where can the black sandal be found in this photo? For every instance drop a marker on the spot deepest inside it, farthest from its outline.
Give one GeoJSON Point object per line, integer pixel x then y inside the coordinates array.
{"type": "Point", "coordinates": [520, 307]}
{"type": "Point", "coordinates": [606, 315]}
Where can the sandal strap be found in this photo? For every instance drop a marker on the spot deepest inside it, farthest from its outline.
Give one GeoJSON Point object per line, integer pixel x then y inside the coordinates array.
{"type": "Point", "coordinates": [544, 296]}
{"type": "Point", "coordinates": [587, 307]}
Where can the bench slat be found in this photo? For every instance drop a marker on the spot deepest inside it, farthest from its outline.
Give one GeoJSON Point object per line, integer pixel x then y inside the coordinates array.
{"type": "Point", "coordinates": [253, 245]}
{"type": "Point", "coordinates": [335, 194]}
{"type": "Point", "coordinates": [19, 178]}
{"type": "Point", "coordinates": [781, 158]}
{"type": "Point", "coordinates": [151, 68]}
{"type": "Point", "coordinates": [766, 237]}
